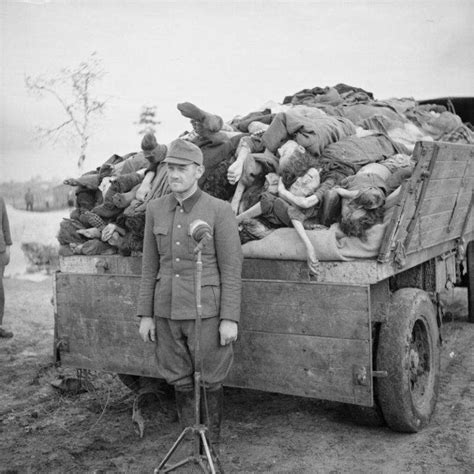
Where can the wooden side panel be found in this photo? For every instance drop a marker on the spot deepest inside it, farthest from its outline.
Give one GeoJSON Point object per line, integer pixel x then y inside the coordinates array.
{"type": "Point", "coordinates": [304, 339]}
{"type": "Point", "coordinates": [96, 324]}
{"type": "Point", "coordinates": [435, 201]}
{"type": "Point", "coordinates": [312, 309]}
{"type": "Point", "coordinates": [302, 365]}
{"type": "Point", "coordinates": [435, 228]}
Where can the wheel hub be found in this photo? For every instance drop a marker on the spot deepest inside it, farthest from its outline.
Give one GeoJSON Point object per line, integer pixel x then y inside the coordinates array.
{"type": "Point", "coordinates": [419, 360]}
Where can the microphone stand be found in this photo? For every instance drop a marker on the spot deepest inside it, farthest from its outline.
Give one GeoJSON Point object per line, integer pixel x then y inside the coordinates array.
{"type": "Point", "coordinates": [198, 430]}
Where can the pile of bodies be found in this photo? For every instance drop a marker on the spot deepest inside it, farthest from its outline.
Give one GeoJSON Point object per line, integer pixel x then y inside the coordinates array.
{"type": "Point", "coordinates": [324, 156]}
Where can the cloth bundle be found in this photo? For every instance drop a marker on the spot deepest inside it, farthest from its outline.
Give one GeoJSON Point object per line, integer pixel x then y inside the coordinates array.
{"type": "Point", "coordinates": [285, 244]}
{"type": "Point", "coordinates": [313, 134]}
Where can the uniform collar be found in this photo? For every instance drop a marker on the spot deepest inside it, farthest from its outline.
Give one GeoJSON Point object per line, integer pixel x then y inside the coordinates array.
{"type": "Point", "coordinates": [188, 203]}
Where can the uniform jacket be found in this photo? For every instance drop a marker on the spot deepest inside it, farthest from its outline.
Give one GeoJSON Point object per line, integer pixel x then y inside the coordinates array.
{"type": "Point", "coordinates": [5, 236]}
{"type": "Point", "coordinates": [168, 269]}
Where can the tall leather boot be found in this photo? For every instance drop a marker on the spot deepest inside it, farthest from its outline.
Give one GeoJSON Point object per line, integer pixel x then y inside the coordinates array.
{"type": "Point", "coordinates": [212, 416]}
{"type": "Point", "coordinates": [185, 408]}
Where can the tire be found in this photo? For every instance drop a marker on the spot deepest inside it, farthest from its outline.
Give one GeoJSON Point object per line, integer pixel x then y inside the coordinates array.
{"type": "Point", "coordinates": [409, 350]}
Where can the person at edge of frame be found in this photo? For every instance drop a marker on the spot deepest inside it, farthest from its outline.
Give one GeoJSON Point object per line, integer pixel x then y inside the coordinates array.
{"type": "Point", "coordinates": [5, 244]}
{"type": "Point", "coordinates": [167, 304]}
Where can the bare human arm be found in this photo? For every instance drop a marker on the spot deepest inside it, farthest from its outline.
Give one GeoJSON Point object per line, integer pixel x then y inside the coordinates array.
{"type": "Point", "coordinates": [145, 186]}
{"type": "Point", "coordinates": [313, 262]}
{"type": "Point", "coordinates": [299, 201]}
{"type": "Point", "coordinates": [346, 193]}
{"type": "Point", "coordinates": [234, 173]}
{"type": "Point", "coordinates": [254, 211]}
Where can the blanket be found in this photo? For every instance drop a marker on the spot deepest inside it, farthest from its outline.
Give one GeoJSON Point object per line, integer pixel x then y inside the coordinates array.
{"type": "Point", "coordinates": [285, 244]}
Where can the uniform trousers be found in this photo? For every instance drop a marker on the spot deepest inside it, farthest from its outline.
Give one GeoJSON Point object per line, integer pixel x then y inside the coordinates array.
{"type": "Point", "coordinates": [175, 352]}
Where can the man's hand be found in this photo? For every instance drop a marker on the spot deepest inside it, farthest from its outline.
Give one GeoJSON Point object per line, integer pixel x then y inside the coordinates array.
{"type": "Point", "coordinates": [228, 331]}
{"type": "Point", "coordinates": [147, 329]}
{"type": "Point", "coordinates": [91, 233]}
{"type": "Point", "coordinates": [313, 263]}
{"type": "Point", "coordinates": [234, 172]}
{"type": "Point", "coordinates": [108, 231]}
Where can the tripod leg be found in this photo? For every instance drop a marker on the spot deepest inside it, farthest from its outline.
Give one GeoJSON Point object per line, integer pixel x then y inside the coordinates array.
{"type": "Point", "coordinates": [212, 407]}
{"type": "Point", "coordinates": [181, 437]}
{"type": "Point", "coordinates": [207, 452]}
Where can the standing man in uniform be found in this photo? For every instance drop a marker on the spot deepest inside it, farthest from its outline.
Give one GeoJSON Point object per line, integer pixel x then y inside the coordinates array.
{"type": "Point", "coordinates": [5, 243]}
{"type": "Point", "coordinates": [29, 200]}
{"type": "Point", "coordinates": [167, 305]}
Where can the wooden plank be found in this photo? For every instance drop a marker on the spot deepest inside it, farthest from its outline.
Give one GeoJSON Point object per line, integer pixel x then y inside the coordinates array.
{"type": "Point", "coordinates": [362, 271]}
{"type": "Point", "coordinates": [442, 219]}
{"type": "Point", "coordinates": [379, 297]}
{"type": "Point", "coordinates": [100, 331]}
{"type": "Point", "coordinates": [451, 174]}
{"type": "Point", "coordinates": [329, 310]}
{"type": "Point", "coordinates": [302, 365]}
{"type": "Point", "coordinates": [97, 264]}
{"type": "Point", "coordinates": [92, 295]}
{"type": "Point", "coordinates": [449, 169]}
{"type": "Point", "coordinates": [446, 202]}
{"type": "Point", "coordinates": [451, 152]}
{"type": "Point", "coordinates": [432, 231]}
{"type": "Point", "coordinates": [440, 187]}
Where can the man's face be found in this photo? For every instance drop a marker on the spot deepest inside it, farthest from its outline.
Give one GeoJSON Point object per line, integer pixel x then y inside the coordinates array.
{"type": "Point", "coordinates": [306, 185]}
{"type": "Point", "coordinates": [181, 178]}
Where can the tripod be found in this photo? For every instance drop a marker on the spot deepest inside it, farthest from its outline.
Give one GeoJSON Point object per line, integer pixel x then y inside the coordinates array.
{"type": "Point", "coordinates": [198, 430]}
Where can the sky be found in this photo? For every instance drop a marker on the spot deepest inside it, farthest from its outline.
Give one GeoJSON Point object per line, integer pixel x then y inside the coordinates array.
{"type": "Point", "coordinates": [227, 57]}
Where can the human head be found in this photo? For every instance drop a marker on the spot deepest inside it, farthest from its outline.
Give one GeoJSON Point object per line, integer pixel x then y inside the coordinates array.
{"type": "Point", "coordinates": [356, 220]}
{"type": "Point", "coordinates": [370, 198]}
{"type": "Point", "coordinates": [149, 144]}
{"type": "Point", "coordinates": [183, 152]}
{"type": "Point", "coordinates": [306, 184]}
{"type": "Point", "coordinates": [184, 163]}
{"type": "Point", "coordinates": [290, 150]}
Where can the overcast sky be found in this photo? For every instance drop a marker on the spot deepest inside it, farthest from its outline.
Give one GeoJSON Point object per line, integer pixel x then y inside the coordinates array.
{"type": "Point", "coordinates": [227, 57]}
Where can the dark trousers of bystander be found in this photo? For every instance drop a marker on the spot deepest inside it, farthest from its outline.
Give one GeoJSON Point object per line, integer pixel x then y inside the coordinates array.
{"type": "Point", "coordinates": [2, 291]}
{"type": "Point", "coordinates": [3, 262]}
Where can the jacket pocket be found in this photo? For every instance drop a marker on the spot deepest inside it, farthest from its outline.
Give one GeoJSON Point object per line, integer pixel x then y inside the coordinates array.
{"type": "Point", "coordinates": [210, 300]}
{"type": "Point", "coordinates": [162, 238]}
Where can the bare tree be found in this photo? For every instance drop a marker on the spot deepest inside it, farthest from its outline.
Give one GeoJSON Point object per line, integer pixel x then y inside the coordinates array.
{"type": "Point", "coordinates": [147, 120]}
{"type": "Point", "coordinates": [73, 89]}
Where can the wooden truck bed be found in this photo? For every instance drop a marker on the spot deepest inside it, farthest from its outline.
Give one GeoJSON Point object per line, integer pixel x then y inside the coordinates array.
{"type": "Point", "coordinates": [297, 336]}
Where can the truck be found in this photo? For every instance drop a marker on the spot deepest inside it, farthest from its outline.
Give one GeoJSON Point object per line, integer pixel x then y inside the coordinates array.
{"type": "Point", "coordinates": [366, 332]}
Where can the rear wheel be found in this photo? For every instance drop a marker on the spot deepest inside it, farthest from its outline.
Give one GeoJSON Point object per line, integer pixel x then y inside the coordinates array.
{"type": "Point", "coordinates": [409, 350]}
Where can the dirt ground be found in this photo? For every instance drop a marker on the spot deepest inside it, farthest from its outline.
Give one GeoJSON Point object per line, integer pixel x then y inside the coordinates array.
{"type": "Point", "coordinates": [44, 430]}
